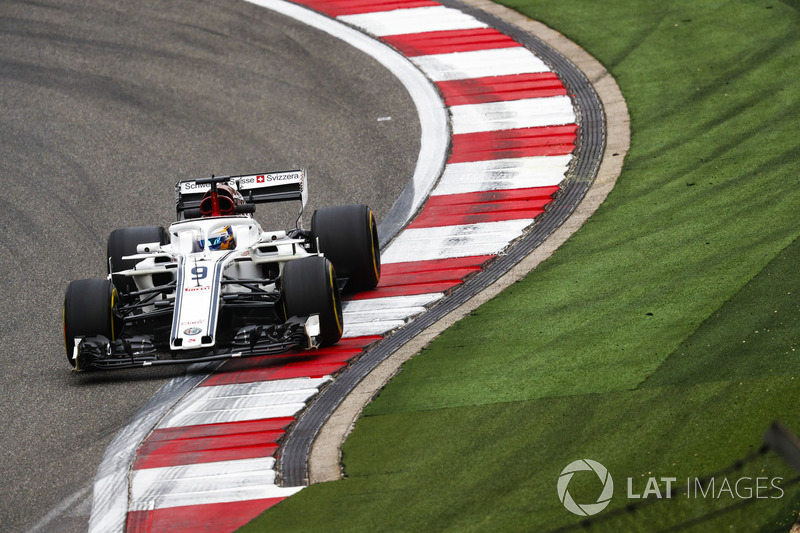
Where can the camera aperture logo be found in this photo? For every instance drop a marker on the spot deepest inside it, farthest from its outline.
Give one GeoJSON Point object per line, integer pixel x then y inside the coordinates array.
{"type": "Point", "coordinates": [585, 509]}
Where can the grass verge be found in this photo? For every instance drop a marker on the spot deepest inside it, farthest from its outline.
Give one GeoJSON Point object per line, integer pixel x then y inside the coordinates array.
{"type": "Point", "coordinates": [659, 340]}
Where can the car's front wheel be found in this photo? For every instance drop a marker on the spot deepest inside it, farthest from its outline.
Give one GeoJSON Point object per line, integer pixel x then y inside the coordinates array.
{"type": "Point", "coordinates": [88, 312]}
{"type": "Point", "coordinates": [309, 287]}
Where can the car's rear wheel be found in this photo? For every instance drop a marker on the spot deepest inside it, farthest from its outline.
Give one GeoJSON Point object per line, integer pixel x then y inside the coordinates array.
{"type": "Point", "coordinates": [123, 242]}
{"type": "Point", "coordinates": [88, 312]}
{"type": "Point", "coordinates": [348, 237]}
{"type": "Point", "coordinates": [309, 287]}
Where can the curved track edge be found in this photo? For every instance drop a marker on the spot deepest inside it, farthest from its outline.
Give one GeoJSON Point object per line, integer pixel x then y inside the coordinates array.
{"type": "Point", "coordinates": [312, 449]}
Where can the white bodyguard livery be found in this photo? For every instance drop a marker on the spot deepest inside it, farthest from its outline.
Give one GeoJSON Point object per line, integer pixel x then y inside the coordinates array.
{"type": "Point", "coordinates": [215, 285]}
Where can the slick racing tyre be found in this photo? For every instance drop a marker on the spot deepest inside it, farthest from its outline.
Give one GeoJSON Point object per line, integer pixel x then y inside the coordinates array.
{"type": "Point", "coordinates": [124, 241]}
{"type": "Point", "coordinates": [348, 237]}
{"type": "Point", "coordinates": [309, 287]}
{"type": "Point", "coordinates": [88, 306]}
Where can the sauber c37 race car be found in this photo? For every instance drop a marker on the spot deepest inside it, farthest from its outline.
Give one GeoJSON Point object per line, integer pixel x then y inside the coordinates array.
{"type": "Point", "coordinates": [215, 285]}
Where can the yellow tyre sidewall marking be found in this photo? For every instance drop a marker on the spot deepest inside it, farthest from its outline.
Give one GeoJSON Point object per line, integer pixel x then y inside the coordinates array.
{"type": "Point", "coordinates": [333, 298]}
{"type": "Point", "coordinates": [372, 247]}
{"type": "Point", "coordinates": [113, 298]}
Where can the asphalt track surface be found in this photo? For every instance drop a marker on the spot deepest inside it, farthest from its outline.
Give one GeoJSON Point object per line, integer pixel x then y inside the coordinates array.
{"type": "Point", "coordinates": [105, 107]}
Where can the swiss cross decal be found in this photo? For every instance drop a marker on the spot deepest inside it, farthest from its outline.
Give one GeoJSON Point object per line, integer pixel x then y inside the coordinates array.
{"type": "Point", "coordinates": [259, 179]}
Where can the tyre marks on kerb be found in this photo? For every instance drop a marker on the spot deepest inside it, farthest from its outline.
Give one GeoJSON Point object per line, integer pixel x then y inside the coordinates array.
{"type": "Point", "coordinates": [210, 463]}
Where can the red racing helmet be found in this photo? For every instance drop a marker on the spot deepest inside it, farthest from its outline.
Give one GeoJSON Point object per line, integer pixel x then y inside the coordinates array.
{"type": "Point", "coordinates": [226, 199]}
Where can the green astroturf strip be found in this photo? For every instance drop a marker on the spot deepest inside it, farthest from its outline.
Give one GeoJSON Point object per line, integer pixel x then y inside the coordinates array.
{"type": "Point", "coordinates": [659, 340]}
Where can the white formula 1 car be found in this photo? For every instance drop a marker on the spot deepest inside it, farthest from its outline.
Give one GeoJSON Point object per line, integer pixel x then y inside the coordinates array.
{"type": "Point", "coordinates": [215, 285]}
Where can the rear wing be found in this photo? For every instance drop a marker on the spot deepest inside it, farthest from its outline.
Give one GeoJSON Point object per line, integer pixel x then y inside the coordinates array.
{"type": "Point", "coordinates": [255, 188]}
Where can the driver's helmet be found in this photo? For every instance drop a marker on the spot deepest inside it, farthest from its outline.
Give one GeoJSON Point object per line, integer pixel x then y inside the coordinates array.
{"type": "Point", "coordinates": [228, 199]}
{"type": "Point", "coordinates": [221, 239]}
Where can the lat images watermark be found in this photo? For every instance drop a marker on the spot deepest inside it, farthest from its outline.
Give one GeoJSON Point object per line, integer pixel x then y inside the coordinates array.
{"type": "Point", "coordinates": [586, 509]}
{"type": "Point", "coordinates": [652, 487]}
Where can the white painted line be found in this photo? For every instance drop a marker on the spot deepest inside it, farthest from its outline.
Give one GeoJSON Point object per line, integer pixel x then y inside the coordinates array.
{"type": "Point", "coordinates": [527, 113]}
{"type": "Point", "coordinates": [381, 315]}
{"type": "Point", "coordinates": [244, 390]}
{"type": "Point", "coordinates": [204, 483]}
{"type": "Point", "coordinates": [372, 328]}
{"type": "Point", "coordinates": [216, 496]}
{"type": "Point", "coordinates": [150, 483]}
{"type": "Point", "coordinates": [146, 478]}
{"type": "Point", "coordinates": [368, 317]}
{"type": "Point", "coordinates": [390, 303]}
{"type": "Point", "coordinates": [246, 401]}
{"type": "Point", "coordinates": [199, 412]}
{"type": "Point", "coordinates": [420, 244]}
{"type": "Point", "coordinates": [196, 417]}
{"type": "Point", "coordinates": [480, 64]}
{"type": "Point", "coordinates": [515, 173]}
{"type": "Point", "coordinates": [414, 20]}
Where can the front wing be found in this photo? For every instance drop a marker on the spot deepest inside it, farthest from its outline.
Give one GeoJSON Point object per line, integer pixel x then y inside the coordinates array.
{"type": "Point", "coordinates": [100, 353]}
